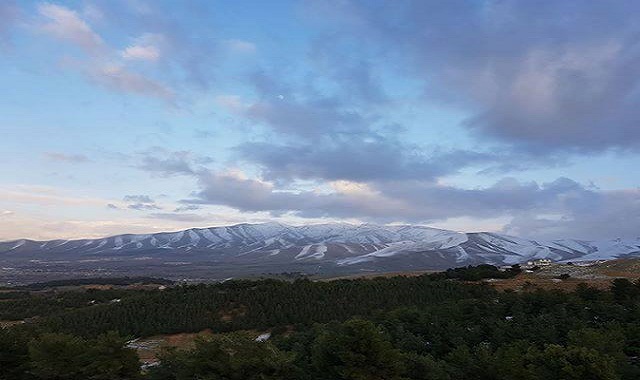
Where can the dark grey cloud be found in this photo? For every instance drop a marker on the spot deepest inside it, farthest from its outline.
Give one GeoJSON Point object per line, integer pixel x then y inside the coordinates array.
{"type": "Point", "coordinates": [304, 111]}
{"type": "Point", "coordinates": [112, 206]}
{"type": "Point", "coordinates": [373, 158]}
{"type": "Point", "coordinates": [307, 118]}
{"type": "Point", "coordinates": [349, 68]}
{"type": "Point", "coordinates": [548, 78]}
{"type": "Point", "coordinates": [505, 197]}
{"type": "Point", "coordinates": [544, 76]}
{"type": "Point", "coordinates": [575, 210]}
{"type": "Point", "coordinates": [607, 215]}
{"type": "Point", "coordinates": [251, 195]}
{"type": "Point", "coordinates": [240, 193]}
{"type": "Point", "coordinates": [329, 138]}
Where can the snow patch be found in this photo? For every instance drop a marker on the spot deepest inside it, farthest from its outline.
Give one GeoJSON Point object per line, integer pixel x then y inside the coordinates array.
{"type": "Point", "coordinates": [18, 245]}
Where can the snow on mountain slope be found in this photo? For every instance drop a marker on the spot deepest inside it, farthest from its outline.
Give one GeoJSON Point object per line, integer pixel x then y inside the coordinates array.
{"type": "Point", "coordinates": [337, 244]}
{"type": "Point", "coordinates": [604, 250]}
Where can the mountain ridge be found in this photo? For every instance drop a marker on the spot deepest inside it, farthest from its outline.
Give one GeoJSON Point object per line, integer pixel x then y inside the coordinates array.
{"type": "Point", "coordinates": [314, 248]}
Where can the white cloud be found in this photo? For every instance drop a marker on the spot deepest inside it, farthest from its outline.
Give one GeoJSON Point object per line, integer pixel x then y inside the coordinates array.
{"type": "Point", "coordinates": [105, 65]}
{"type": "Point", "coordinates": [65, 24]}
{"type": "Point", "coordinates": [147, 47]}
{"type": "Point", "coordinates": [119, 77]}
{"type": "Point", "coordinates": [141, 53]}
{"type": "Point", "coordinates": [240, 46]}
{"type": "Point", "coordinates": [66, 157]}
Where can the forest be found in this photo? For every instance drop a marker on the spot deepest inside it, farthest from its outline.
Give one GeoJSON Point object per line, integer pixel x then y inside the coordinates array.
{"type": "Point", "coordinates": [444, 325]}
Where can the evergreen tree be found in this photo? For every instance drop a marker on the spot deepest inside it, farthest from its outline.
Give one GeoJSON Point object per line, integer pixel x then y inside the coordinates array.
{"type": "Point", "coordinates": [356, 350]}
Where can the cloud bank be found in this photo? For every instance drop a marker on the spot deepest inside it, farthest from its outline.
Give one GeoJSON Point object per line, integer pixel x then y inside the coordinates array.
{"type": "Point", "coordinates": [331, 124]}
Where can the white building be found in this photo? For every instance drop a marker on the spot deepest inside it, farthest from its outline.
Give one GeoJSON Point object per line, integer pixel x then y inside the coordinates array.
{"type": "Point", "coordinates": [539, 263]}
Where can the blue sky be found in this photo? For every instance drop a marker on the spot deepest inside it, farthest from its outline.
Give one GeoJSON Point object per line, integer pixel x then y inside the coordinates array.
{"type": "Point", "coordinates": [132, 116]}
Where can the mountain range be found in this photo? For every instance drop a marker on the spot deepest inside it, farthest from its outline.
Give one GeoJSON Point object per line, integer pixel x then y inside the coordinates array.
{"type": "Point", "coordinates": [254, 249]}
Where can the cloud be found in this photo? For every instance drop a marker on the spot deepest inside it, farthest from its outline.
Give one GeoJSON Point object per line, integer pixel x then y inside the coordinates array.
{"type": "Point", "coordinates": [65, 157]}
{"type": "Point", "coordinates": [604, 213]}
{"type": "Point", "coordinates": [373, 174]}
{"type": "Point", "coordinates": [187, 208]}
{"type": "Point", "coordinates": [141, 202]}
{"type": "Point", "coordinates": [328, 137]}
{"type": "Point", "coordinates": [372, 158]}
{"type": "Point", "coordinates": [65, 24]}
{"type": "Point", "coordinates": [299, 112]}
{"type": "Point", "coordinates": [103, 64]}
{"type": "Point", "coordinates": [144, 206]}
{"type": "Point", "coordinates": [270, 85]}
{"type": "Point", "coordinates": [597, 215]}
{"type": "Point", "coordinates": [306, 119]}
{"type": "Point", "coordinates": [240, 46]}
{"type": "Point", "coordinates": [111, 206]}
{"type": "Point", "coordinates": [541, 81]}
{"type": "Point", "coordinates": [251, 195]}
{"type": "Point", "coordinates": [544, 77]}
{"type": "Point", "coordinates": [138, 198]}
{"type": "Point", "coordinates": [144, 48]}
{"type": "Point", "coordinates": [143, 53]}
{"type": "Point", "coordinates": [323, 137]}
{"type": "Point", "coordinates": [238, 192]}
{"type": "Point", "coordinates": [335, 59]}
{"type": "Point", "coordinates": [120, 78]}
{"type": "Point", "coordinates": [167, 163]}
{"type": "Point", "coordinates": [350, 200]}
{"type": "Point", "coordinates": [179, 217]}
{"type": "Point", "coordinates": [9, 14]}
{"type": "Point", "coordinates": [189, 55]}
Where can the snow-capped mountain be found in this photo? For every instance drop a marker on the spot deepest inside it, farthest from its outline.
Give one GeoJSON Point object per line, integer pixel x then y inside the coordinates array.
{"type": "Point", "coordinates": [274, 247]}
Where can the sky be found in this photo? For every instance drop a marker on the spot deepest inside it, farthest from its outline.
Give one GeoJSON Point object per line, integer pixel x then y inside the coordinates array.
{"type": "Point", "coordinates": [134, 116]}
